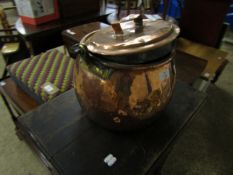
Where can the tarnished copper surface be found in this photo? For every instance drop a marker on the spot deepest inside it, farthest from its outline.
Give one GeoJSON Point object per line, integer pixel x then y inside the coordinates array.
{"type": "Point", "coordinates": [124, 98]}
{"type": "Point", "coordinates": [127, 40]}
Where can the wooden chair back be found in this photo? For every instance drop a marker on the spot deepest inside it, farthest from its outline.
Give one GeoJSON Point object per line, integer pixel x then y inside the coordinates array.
{"type": "Point", "coordinates": [202, 20]}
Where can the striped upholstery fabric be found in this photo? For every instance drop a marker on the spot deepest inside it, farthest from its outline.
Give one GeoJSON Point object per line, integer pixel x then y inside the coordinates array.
{"type": "Point", "coordinates": [52, 66]}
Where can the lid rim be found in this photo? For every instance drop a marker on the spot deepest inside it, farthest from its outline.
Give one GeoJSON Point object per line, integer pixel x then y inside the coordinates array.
{"type": "Point", "coordinates": [153, 64]}
{"type": "Point", "coordinates": [136, 48]}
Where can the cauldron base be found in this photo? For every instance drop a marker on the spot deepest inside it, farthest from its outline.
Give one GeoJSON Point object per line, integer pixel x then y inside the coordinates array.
{"type": "Point", "coordinates": [127, 125]}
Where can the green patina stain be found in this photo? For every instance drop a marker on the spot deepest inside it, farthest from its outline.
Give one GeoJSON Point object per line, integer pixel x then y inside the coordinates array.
{"type": "Point", "coordinates": [99, 70]}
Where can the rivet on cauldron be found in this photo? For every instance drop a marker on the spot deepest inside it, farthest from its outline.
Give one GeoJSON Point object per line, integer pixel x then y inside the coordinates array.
{"type": "Point", "coordinates": [117, 120]}
{"type": "Point", "coordinates": [207, 74]}
{"type": "Point", "coordinates": [121, 112]}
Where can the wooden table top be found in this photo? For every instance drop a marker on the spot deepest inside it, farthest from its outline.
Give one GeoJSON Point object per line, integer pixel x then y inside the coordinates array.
{"type": "Point", "coordinates": [29, 31]}
{"type": "Point", "coordinates": [78, 32]}
{"type": "Point", "coordinates": [73, 145]}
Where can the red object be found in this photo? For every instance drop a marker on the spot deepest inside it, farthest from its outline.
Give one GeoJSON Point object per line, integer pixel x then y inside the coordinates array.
{"type": "Point", "coordinates": [42, 19]}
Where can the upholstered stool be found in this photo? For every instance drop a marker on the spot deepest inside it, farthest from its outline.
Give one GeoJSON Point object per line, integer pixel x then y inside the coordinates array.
{"type": "Point", "coordinates": [44, 76]}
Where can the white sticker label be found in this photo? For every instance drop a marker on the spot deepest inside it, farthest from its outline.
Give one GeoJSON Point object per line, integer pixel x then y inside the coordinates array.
{"type": "Point", "coordinates": [35, 8]}
{"type": "Point", "coordinates": [110, 160]}
{"type": "Point", "coordinates": [48, 88]}
{"type": "Point", "coordinates": [153, 17]}
{"type": "Point", "coordinates": [2, 83]}
{"type": "Point", "coordinates": [164, 75]}
{"type": "Point", "coordinates": [70, 32]}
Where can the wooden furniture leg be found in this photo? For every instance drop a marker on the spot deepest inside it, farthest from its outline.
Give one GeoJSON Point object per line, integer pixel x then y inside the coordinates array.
{"type": "Point", "coordinates": [215, 59]}
{"type": "Point", "coordinates": [118, 2]}
{"type": "Point", "coordinates": [7, 104]}
{"type": "Point", "coordinates": [16, 101]}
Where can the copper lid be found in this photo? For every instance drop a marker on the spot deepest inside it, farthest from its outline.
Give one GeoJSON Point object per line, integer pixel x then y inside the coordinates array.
{"type": "Point", "coordinates": [131, 36]}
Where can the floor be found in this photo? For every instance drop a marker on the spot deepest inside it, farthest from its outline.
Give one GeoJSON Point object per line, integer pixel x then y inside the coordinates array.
{"type": "Point", "coordinates": [205, 148]}
{"type": "Point", "coordinates": [16, 158]}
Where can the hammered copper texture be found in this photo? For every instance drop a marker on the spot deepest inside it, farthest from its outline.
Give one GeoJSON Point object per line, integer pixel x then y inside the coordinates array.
{"type": "Point", "coordinates": [124, 98]}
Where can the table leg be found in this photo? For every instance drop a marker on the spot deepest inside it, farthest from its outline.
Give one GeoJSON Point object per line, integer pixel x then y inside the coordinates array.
{"type": "Point", "coordinates": [128, 6]}
{"type": "Point", "coordinates": [103, 5]}
{"type": "Point", "coordinates": [13, 117]}
{"type": "Point", "coordinates": [118, 2]}
{"type": "Point", "coordinates": [30, 48]}
{"type": "Point", "coordinates": [154, 6]}
{"type": "Point", "coordinates": [158, 165]}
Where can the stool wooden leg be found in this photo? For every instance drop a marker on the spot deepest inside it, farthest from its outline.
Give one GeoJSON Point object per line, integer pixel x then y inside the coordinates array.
{"type": "Point", "coordinates": [65, 50]}
{"type": "Point", "coordinates": [4, 73]}
{"type": "Point", "coordinates": [19, 133]}
{"type": "Point", "coordinates": [128, 6]}
{"type": "Point", "coordinates": [30, 48]}
{"type": "Point", "coordinates": [13, 117]}
{"type": "Point", "coordinates": [5, 58]}
{"type": "Point", "coordinates": [118, 2]}
{"type": "Point", "coordinates": [104, 5]}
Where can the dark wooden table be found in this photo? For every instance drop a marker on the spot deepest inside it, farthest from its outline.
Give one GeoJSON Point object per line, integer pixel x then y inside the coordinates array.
{"type": "Point", "coordinates": [74, 35]}
{"type": "Point", "coordinates": [69, 144]}
{"type": "Point", "coordinates": [46, 36]}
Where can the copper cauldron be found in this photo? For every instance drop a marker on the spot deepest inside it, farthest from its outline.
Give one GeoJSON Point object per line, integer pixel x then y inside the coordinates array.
{"type": "Point", "coordinates": [125, 74]}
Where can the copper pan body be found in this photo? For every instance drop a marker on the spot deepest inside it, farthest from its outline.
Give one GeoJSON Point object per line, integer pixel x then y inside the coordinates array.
{"type": "Point", "coordinates": [124, 97]}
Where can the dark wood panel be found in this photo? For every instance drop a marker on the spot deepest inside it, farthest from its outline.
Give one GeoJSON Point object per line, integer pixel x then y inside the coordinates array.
{"type": "Point", "coordinates": [74, 35]}
{"type": "Point", "coordinates": [17, 96]}
{"type": "Point", "coordinates": [192, 53]}
{"type": "Point", "coordinates": [202, 20]}
{"type": "Point", "coordinates": [38, 36]}
{"type": "Point", "coordinates": [74, 145]}
{"type": "Point", "coordinates": [189, 68]}
{"type": "Point", "coordinates": [78, 32]}
{"type": "Point", "coordinates": [74, 8]}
